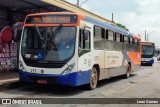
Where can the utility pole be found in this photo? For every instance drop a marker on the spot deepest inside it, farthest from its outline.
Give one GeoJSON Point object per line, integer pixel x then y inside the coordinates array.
{"type": "Point", "coordinates": [145, 35]}
{"type": "Point", "coordinates": [77, 2]}
{"type": "Point", "coordinates": [112, 17]}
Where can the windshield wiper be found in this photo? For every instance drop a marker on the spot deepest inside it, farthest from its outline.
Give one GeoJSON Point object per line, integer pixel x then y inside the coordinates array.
{"type": "Point", "coordinates": [42, 38]}
{"type": "Point", "coordinates": [57, 30]}
{"type": "Point", "coordinates": [39, 34]}
{"type": "Point", "coordinates": [53, 35]}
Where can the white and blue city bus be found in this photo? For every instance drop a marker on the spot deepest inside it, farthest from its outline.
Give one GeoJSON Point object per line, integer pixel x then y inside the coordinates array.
{"type": "Point", "coordinates": [73, 49]}
{"type": "Point", "coordinates": [148, 51]}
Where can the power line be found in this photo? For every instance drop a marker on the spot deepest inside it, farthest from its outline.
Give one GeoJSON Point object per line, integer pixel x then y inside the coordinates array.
{"type": "Point", "coordinates": [78, 3]}
{"type": "Point", "coordinates": [83, 2]}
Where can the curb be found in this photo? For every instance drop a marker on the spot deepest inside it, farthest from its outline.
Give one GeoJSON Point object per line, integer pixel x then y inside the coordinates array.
{"type": "Point", "coordinates": [8, 80]}
{"type": "Point", "coordinates": [5, 83]}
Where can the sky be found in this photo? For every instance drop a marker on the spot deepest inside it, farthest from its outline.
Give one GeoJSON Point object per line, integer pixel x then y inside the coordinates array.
{"type": "Point", "coordinates": [136, 15]}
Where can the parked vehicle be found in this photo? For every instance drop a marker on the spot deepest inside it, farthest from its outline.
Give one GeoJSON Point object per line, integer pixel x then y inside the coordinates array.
{"type": "Point", "coordinates": [148, 50]}
{"type": "Point", "coordinates": [74, 49]}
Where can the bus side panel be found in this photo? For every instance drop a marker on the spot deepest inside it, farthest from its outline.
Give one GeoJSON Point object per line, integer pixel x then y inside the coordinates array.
{"type": "Point", "coordinates": [98, 59]}
{"type": "Point", "coordinates": [72, 79]}
{"type": "Point", "coordinates": [114, 63]}
{"type": "Point", "coordinates": [85, 60]}
{"type": "Point", "coordinates": [113, 59]}
{"type": "Point", "coordinates": [135, 58]}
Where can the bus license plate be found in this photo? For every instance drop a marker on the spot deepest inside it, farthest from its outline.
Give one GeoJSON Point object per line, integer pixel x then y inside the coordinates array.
{"type": "Point", "coordinates": [42, 81]}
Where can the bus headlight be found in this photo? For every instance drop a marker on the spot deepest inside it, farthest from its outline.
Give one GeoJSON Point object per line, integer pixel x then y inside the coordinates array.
{"type": "Point", "coordinates": [68, 69]}
{"type": "Point", "coordinates": [21, 67]}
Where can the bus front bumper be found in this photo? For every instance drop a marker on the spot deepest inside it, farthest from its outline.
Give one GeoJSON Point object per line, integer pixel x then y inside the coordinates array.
{"type": "Point", "coordinates": [148, 62]}
{"type": "Point", "coordinates": [72, 79]}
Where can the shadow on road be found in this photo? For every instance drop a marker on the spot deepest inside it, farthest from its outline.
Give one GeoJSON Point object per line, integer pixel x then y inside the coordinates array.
{"type": "Point", "coordinates": [112, 80]}
{"type": "Point", "coordinates": [28, 89]}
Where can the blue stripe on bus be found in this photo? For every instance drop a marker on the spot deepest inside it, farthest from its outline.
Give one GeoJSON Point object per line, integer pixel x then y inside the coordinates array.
{"type": "Point", "coordinates": [72, 79]}
{"type": "Point", "coordinates": [109, 26]}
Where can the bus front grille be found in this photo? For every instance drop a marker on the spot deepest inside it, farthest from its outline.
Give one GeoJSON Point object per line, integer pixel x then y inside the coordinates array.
{"type": "Point", "coordinates": [48, 79]}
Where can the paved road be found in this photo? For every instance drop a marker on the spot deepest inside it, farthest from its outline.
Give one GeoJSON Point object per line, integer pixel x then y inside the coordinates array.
{"type": "Point", "coordinates": [142, 84]}
{"type": "Point", "coordinates": [5, 75]}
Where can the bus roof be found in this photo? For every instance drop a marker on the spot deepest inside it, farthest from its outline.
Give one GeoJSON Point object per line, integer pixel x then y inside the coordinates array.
{"type": "Point", "coordinates": [107, 25]}
{"type": "Point", "coordinates": [61, 13]}
{"type": "Point", "coordinates": [48, 13]}
{"type": "Point", "coordinates": [148, 43]}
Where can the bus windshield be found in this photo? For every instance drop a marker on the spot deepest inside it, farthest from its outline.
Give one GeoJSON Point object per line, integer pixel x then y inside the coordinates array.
{"type": "Point", "coordinates": [148, 50]}
{"type": "Point", "coordinates": [49, 44]}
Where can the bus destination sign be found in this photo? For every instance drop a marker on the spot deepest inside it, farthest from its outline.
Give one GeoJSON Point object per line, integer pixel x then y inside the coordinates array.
{"type": "Point", "coordinates": [51, 19]}
{"type": "Point", "coordinates": [147, 43]}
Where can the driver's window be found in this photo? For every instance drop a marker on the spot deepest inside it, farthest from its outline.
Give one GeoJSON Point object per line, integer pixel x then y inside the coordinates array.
{"type": "Point", "coordinates": [84, 39]}
{"type": "Point", "coordinates": [80, 43]}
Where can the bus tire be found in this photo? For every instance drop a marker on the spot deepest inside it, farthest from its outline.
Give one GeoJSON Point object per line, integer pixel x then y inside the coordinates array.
{"type": "Point", "coordinates": [93, 79]}
{"type": "Point", "coordinates": [128, 72]}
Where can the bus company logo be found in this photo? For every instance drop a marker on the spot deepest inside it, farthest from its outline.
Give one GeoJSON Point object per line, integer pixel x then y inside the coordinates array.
{"type": "Point", "coordinates": [6, 101]}
{"type": "Point", "coordinates": [42, 71]}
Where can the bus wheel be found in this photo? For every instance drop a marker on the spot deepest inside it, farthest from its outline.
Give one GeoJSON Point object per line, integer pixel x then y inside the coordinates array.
{"type": "Point", "coordinates": [128, 72]}
{"type": "Point", "coordinates": [93, 79]}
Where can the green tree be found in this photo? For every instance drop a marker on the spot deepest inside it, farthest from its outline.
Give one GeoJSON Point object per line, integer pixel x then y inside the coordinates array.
{"type": "Point", "coordinates": [122, 26]}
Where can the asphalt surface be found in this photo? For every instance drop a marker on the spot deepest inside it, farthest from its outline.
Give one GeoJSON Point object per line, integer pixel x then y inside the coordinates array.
{"type": "Point", "coordinates": [142, 84]}
{"type": "Point", "coordinates": [6, 75]}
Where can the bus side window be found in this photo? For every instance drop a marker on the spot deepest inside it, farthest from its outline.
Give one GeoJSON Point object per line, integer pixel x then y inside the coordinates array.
{"type": "Point", "coordinates": [125, 43]}
{"type": "Point", "coordinates": [109, 41]}
{"type": "Point", "coordinates": [86, 39]}
{"type": "Point", "coordinates": [110, 35]}
{"type": "Point", "coordinates": [103, 33]}
{"type": "Point", "coordinates": [117, 37]}
{"type": "Point", "coordinates": [97, 32]}
{"type": "Point", "coordinates": [84, 42]}
{"type": "Point", "coordinates": [136, 41]}
{"type": "Point", "coordinates": [137, 47]}
{"type": "Point", "coordinates": [131, 40]}
{"type": "Point", "coordinates": [121, 38]}
{"type": "Point", "coordinates": [132, 46]}
{"type": "Point", "coordinates": [118, 43]}
{"type": "Point", "coordinates": [99, 35]}
{"type": "Point", "coordinates": [80, 43]}
{"type": "Point", "coordinates": [126, 40]}
{"type": "Point", "coordinates": [106, 35]}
